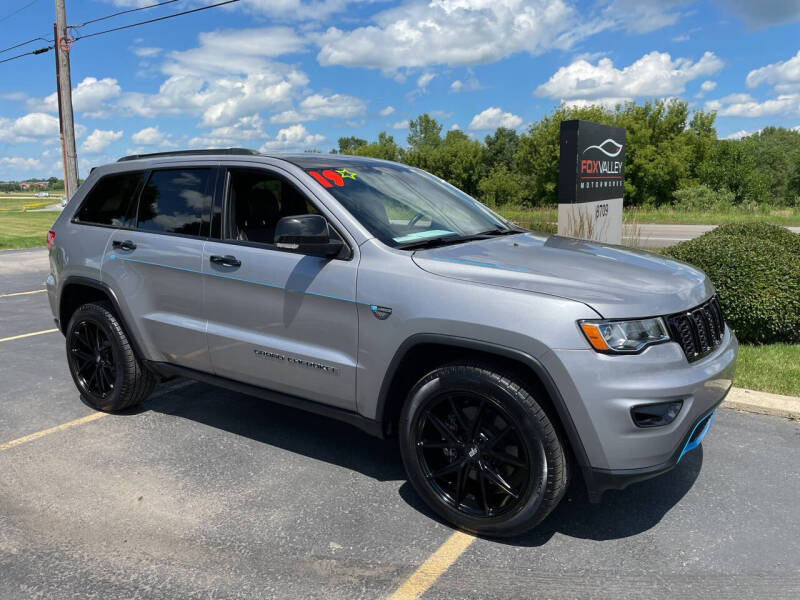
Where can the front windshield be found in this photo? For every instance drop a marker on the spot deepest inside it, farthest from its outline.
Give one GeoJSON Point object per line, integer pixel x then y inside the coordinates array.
{"type": "Point", "coordinates": [401, 205]}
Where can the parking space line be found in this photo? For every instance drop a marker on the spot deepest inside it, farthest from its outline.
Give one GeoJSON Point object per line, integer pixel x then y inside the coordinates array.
{"type": "Point", "coordinates": [25, 335]}
{"type": "Point", "coordinates": [429, 571]}
{"type": "Point", "coordinates": [22, 293]}
{"type": "Point", "coordinates": [35, 436]}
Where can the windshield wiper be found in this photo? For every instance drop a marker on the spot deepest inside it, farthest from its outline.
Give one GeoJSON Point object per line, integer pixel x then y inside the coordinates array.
{"type": "Point", "coordinates": [433, 242]}
{"type": "Point", "coordinates": [498, 231]}
{"type": "Point", "coordinates": [445, 240]}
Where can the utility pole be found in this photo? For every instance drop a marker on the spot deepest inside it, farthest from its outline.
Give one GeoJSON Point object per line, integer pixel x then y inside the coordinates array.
{"type": "Point", "coordinates": [63, 43]}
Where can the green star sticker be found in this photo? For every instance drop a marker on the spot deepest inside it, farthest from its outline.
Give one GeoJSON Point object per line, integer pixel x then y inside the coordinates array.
{"type": "Point", "coordinates": [346, 174]}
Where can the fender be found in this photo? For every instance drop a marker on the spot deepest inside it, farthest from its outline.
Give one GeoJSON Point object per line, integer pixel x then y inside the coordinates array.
{"type": "Point", "coordinates": [112, 296]}
{"type": "Point", "coordinates": [511, 353]}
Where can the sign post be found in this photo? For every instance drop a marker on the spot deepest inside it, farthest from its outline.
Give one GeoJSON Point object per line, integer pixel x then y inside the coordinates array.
{"type": "Point", "coordinates": [591, 172]}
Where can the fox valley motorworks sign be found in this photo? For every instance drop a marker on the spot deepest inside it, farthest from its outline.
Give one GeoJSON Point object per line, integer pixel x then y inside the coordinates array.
{"type": "Point", "coordinates": [591, 172]}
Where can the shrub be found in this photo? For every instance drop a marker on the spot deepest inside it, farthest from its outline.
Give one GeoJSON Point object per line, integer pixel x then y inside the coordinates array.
{"type": "Point", "coordinates": [703, 198]}
{"type": "Point", "coordinates": [756, 270]}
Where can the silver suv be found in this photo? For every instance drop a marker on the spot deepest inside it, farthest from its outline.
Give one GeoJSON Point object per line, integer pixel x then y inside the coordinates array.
{"type": "Point", "coordinates": [506, 361]}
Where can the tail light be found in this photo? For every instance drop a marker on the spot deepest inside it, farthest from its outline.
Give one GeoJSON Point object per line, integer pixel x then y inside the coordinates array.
{"type": "Point", "coordinates": [51, 236]}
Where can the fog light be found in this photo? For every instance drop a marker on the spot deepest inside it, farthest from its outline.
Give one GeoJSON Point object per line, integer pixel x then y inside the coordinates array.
{"type": "Point", "coordinates": [656, 415]}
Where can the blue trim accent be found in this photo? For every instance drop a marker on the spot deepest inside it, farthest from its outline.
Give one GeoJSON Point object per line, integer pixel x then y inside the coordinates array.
{"type": "Point", "coordinates": [691, 445]}
{"type": "Point", "coordinates": [461, 261]}
{"type": "Point", "coordinates": [223, 276]}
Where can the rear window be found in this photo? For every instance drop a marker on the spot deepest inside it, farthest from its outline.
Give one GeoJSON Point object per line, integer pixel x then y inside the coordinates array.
{"type": "Point", "coordinates": [108, 201]}
{"type": "Point", "coordinates": [176, 201]}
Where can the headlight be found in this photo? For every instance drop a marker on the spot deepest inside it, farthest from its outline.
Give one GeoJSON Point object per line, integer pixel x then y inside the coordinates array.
{"type": "Point", "coordinates": [624, 336]}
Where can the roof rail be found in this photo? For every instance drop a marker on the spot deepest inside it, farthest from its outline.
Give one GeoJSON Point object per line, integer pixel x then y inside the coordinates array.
{"type": "Point", "coordinates": [240, 151]}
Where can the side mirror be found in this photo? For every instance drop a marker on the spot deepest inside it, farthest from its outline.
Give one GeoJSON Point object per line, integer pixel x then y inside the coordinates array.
{"type": "Point", "coordinates": [307, 234]}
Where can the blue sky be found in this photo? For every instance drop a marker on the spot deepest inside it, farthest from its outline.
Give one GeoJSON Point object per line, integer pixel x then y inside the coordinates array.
{"type": "Point", "coordinates": [281, 75]}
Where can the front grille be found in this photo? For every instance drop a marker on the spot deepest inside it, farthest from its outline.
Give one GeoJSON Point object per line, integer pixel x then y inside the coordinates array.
{"type": "Point", "coordinates": [698, 330]}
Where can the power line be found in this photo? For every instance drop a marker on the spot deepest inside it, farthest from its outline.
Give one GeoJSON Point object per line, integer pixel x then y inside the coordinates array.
{"type": "Point", "coordinates": [122, 12]}
{"type": "Point", "coordinates": [39, 51]}
{"type": "Point", "coordinates": [16, 12]}
{"type": "Point", "coordinates": [179, 14]}
{"type": "Point", "coordinates": [25, 44]}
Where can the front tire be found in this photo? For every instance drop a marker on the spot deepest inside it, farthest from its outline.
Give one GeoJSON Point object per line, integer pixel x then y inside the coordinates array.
{"type": "Point", "coordinates": [481, 451]}
{"type": "Point", "coordinates": [102, 362]}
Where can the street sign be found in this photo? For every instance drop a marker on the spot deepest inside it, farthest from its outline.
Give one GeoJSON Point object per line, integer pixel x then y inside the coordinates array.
{"type": "Point", "coordinates": [591, 173]}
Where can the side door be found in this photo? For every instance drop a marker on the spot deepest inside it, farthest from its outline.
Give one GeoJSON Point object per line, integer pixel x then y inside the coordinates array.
{"type": "Point", "coordinates": [278, 319]}
{"type": "Point", "coordinates": [155, 267]}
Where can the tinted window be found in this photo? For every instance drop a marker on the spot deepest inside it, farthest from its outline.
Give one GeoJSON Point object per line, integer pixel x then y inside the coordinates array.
{"type": "Point", "coordinates": [257, 200]}
{"type": "Point", "coordinates": [176, 201]}
{"type": "Point", "coordinates": [108, 201]}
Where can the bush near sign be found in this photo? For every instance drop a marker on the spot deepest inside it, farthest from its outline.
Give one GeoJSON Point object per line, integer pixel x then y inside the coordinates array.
{"type": "Point", "coordinates": [590, 181]}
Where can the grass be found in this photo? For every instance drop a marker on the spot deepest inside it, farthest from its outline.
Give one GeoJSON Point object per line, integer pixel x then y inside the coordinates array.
{"type": "Point", "coordinates": [24, 230]}
{"type": "Point", "coordinates": [17, 204]}
{"type": "Point", "coordinates": [771, 368]}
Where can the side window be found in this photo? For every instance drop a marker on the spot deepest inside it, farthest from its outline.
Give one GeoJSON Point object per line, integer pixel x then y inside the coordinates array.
{"type": "Point", "coordinates": [108, 201]}
{"type": "Point", "coordinates": [257, 200]}
{"type": "Point", "coordinates": [176, 201]}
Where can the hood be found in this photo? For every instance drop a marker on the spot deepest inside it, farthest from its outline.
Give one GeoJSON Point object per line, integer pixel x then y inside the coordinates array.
{"type": "Point", "coordinates": [616, 281]}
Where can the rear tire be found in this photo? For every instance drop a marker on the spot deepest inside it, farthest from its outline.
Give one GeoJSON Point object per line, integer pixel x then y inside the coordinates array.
{"type": "Point", "coordinates": [480, 450]}
{"type": "Point", "coordinates": [103, 365]}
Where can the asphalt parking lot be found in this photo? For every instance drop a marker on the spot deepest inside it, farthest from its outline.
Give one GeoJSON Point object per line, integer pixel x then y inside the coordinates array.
{"type": "Point", "coordinates": [208, 493]}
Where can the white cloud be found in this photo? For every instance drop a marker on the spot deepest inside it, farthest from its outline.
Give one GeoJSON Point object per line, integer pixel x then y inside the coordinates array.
{"type": "Point", "coordinates": [19, 162]}
{"type": "Point", "coordinates": [784, 75]}
{"type": "Point", "coordinates": [99, 139]}
{"type": "Point", "coordinates": [469, 84]}
{"type": "Point", "coordinates": [494, 117]}
{"type": "Point", "coordinates": [763, 13]}
{"type": "Point", "coordinates": [454, 127]}
{"type": "Point", "coordinates": [149, 136]}
{"type": "Point", "coordinates": [425, 79]}
{"type": "Point", "coordinates": [644, 16]}
{"type": "Point", "coordinates": [31, 127]}
{"type": "Point", "coordinates": [147, 51]}
{"type": "Point", "coordinates": [90, 97]}
{"type": "Point", "coordinates": [654, 74]}
{"type": "Point", "coordinates": [706, 87]}
{"type": "Point", "coordinates": [452, 32]}
{"type": "Point", "coordinates": [318, 106]}
{"type": "Point", "coordinates": [294, 137]}
{"type": "Point", "coordinates": [744, 105]}
{"type": "Point", "coordinates": [400, 124]}
{"type": "Point", "coordinates": [229, 51]}
{"type": "Point", "coordinates": [737, 135]}
{"type": "Point", "coordinates": [385, 112]}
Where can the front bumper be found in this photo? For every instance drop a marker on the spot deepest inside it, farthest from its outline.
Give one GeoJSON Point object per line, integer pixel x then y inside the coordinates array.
{"type": "Point", "coordinates": [599, 392]}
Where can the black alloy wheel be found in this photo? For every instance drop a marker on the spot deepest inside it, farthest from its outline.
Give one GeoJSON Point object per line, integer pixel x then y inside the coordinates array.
{"type": "Point", "coordinates": [472, 454]}
{"type": "Point", "coordinates": [102, 362]}
{"type": "Point", "coordinates": [92, 356]}
{"type": "Point", "coordinates": [480, 450]}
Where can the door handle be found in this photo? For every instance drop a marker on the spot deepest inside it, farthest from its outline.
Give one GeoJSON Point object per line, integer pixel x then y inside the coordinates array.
{"type": "Point", "coordinates": [225, 261]}
{"type": "Point", "coordinates": [126, 245]}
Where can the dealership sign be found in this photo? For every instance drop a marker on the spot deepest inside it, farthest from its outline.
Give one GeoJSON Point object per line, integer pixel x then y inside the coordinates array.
{"type": "Point", "coordinates": [591, 173]}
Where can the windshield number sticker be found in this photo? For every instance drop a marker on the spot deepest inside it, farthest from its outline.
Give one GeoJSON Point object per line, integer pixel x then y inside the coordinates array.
{"type": "Point", "coordinates": [329, 178]}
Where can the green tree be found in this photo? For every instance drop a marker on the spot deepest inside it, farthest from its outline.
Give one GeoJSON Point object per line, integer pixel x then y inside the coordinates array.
{"type": "Point", "coordinates": [501, 187]}
{"type": "Point", "coordinates": [501, 148]}
{"type": "Point", "coordinates": [350, 145]}
{"type": "Point", "coordinates": [385, 148]}
{"type": "Point", "coordinates": [424, 132]}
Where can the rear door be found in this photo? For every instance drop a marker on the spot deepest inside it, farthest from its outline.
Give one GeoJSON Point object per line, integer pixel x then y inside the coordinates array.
{"type": "Point", "coordinates": [156, 266]}
{"type": "Point", "coordinates": [278, 319]}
